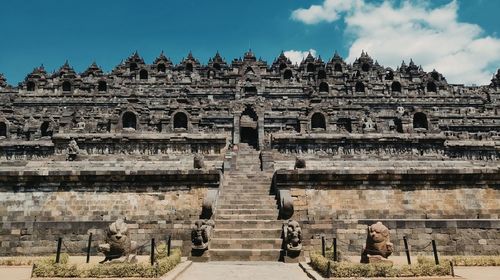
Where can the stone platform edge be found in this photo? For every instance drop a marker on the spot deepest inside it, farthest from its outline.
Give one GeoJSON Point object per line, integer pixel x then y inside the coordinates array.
{"type": "Point", "coordinates": [473, 175]}
{"type": "Point", "coordinates": [138, 177]}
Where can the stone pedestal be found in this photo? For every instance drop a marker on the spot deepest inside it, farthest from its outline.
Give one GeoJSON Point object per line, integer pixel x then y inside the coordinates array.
{"type": "Point", "coordinates": [294, 256]}
{"type": "Point", "coordinates": [199, 256]}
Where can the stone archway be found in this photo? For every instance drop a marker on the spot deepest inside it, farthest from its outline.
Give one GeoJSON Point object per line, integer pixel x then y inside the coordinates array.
{"type": "Point", "coordinates": [129, 120]}
{"type": "Point", "coordinates": [3, 129]}
{"type": "Point", "coordinates": [181, 121]}
{"type": "Point", "coordinates": [420, 121]}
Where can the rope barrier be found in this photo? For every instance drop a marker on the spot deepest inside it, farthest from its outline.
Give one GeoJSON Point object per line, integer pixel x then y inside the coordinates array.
{"type": "Point", "coordinates": [73, 250]}
{"type": "Point", "coordinates": [414, 248]}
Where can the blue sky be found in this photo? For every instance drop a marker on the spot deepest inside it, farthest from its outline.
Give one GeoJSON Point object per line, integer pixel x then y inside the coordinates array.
{"type": "Point", "coordinates": [51, 31]}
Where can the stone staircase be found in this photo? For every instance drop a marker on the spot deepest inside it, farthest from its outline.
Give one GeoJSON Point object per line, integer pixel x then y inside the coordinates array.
{"type": "Point", "coordinates": [246, 218]}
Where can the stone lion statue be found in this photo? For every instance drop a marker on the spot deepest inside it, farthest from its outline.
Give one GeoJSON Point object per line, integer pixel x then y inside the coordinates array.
{"type": "Point", "coordinates": [118, 243]}
{"type": "Point", "coordinates": [201, 233]}
{"type": "Point", "coordinates": [378, 246]}
{"type": "Point", "coordinates": [293, 236]}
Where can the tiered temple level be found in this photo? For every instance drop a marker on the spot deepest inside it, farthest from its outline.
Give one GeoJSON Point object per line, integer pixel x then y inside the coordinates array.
{"type": "Point", "coordinates": [342, 109]}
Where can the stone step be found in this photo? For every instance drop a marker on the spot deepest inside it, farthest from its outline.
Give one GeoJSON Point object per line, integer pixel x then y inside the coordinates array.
{"type": "Point", "coordinates": [271, 203]}
{"type": "Point", "coordinates": [228, 201]}
{"type": "Point", "coordinates": [245, 243]}
{"type": "Point", "coordinates": [245, 168]}
{"type": "Point", "coordinates": [246, 186]}
{"type": "Point", "coordinates": [247, 201]}
{"type": "Point", "coordinates": [246, 181]}
{"type": "Point", "coordinates": [249, 168]}
{"type": "Point", "coordinates": [252, 194]}
{"type": "Point", "coordinates": [261, 192]}
{"type": "Point", "coordinates": [245, 254]}
{"type": "Point", "coordinates": [243, 173]}
{"type": "Point", "coordinates": [248, 224]}
{"type": "Point", "coordinates": [233, 211]}
{"type": "Point", "coordinates": [247, 233]}
{"type": "Point", "coordinates": [226, 193]}
{"type": "Point", "coordinates": [247, 206]}
{"type": "Point", "coordinates": [260, 174]}
{"type": "Point", "coordinates": [247, 216]}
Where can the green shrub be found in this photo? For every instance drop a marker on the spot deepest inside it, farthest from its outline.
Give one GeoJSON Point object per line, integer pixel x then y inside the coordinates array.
{"type": "Point", "coordinates": [48, 268]}
{"type": "Point", "coordinates": [346, 269]}
{"type": "Point", "coordinates": [63, 259]}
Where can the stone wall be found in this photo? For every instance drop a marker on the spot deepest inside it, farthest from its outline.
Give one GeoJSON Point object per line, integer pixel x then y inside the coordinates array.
{"type": "Point", "coordinates": [36, 210]}
{"type": "Point", "coordinates": [457, 207]}
{"type": "Point", "coordinates": [375, 202]}
{"type": "Point", "coordinates": [404, 192]}
{"type": "Point", "coordinates": [452, 236]}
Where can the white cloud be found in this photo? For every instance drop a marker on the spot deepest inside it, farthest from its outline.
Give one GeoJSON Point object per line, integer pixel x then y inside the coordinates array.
{"type": "Point", "coordinates": [329, 11]}
{"type": "Point", "coordinates": [297, 56]}
{"type": "Point", "coordinates": [433, 37]}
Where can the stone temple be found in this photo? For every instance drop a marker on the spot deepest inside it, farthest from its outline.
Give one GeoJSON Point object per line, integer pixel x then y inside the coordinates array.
{"type": "Point", "coordinates": [247, 146]}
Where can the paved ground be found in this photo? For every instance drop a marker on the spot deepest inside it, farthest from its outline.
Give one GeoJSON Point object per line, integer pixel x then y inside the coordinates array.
{"type": "Point", "coordinates": [254, 270]}
{"type": "Point", "coordinates": [478, 273]}
{"type": "Point", "coordinates": [243, 271]}
{"type": "Point", "coordinates": [15, 272]}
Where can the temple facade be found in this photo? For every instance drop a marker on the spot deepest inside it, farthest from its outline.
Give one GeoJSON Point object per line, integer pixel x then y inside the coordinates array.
{"type": "Point", "coordinates": [249, 101]}
{"type": "Point", "coordinates": [338, 145]}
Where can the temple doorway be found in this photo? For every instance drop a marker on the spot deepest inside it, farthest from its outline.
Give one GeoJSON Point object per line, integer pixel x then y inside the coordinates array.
{"type": "Point", "coordinates": [248, 128]}
{"type": "Point", "coordinates": [250, 136]}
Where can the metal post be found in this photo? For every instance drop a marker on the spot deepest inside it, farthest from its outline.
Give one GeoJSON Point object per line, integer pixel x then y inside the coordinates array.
{"type": "Point", "coordinates": [407, 250]}
{"type": "Point", "coordinates": [452, 269]}
{"type": "Point", "coordinates": [88, 247]}
{"type": "Point", "coordinates": [169, 244]}
{"type": "Point", "coordinates": [58, 252]}
{"type": "Point", "coordinates": [152, 251]}
{"type": "Point", "coordinates": [328, 268]}
{"type": "Point", "coordinates": [335, 258]}
{"type": "Point", "coordinates": [436, 259]}
{"type": "Point", "coordinates": [323, 248]}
